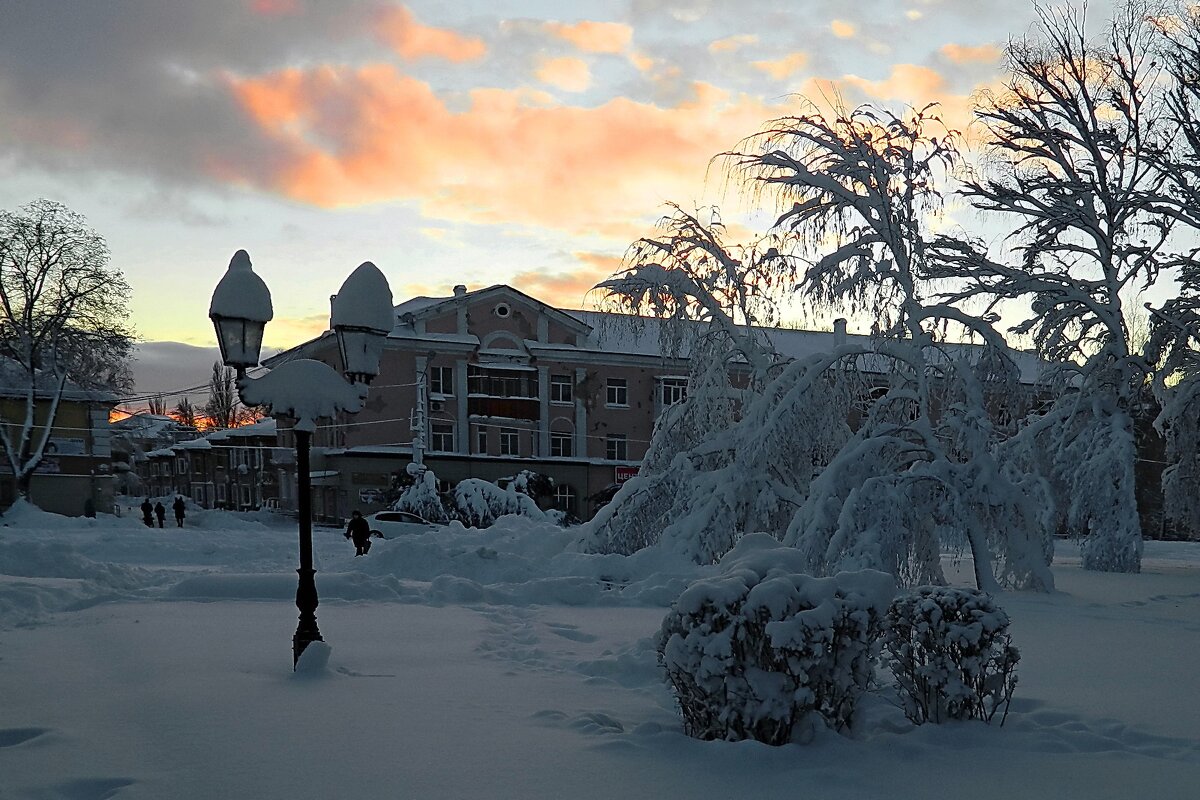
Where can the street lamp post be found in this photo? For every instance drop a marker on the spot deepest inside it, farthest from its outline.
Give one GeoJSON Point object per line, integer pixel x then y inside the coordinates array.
{"type": "Point", "coordinates": [304, 389]}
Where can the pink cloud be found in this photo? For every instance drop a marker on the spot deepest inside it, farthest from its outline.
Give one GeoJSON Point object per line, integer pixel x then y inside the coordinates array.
{"type": "Point", "coordinates": [352, 135]}
{"type": "Point", "coordinates": [593, 37]}
{"type": "Point", "coordinates": [398, 28]}
{"type": "Point", "coordinates": [965, 54]}
{"type": "Point", "coordinates": [568, 74]}
{"type": "Point", "coordinates": [731, 43]}
{"type": "Point", "coordinates": [782, 68]}
{"type": "Point", "coordinates": [843, 29]}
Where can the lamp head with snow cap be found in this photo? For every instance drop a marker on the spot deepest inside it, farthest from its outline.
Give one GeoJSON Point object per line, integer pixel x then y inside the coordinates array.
{"type": "Point", "coordinates": [362, 316]}
{"type": "Point", "coordinates": [240, 310]}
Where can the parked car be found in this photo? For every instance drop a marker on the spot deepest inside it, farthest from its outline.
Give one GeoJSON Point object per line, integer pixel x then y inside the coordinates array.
{"type": "Point", "coordinates": [389, 524]}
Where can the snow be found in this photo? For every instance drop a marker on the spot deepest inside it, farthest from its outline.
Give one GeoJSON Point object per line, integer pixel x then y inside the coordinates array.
{"type": "Point", "coordinates": [304, 389]}
{"type": "Point", "coordinates": [502, 663]}
{"type": "Point", "coordinates": [364, 301]}
{"type": "Point", "coordinates": [241, 294]}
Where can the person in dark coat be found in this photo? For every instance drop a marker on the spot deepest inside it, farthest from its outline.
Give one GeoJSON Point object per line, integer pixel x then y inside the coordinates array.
{"type": "Point", "coordinates": [360, 532]}
{"type": "Point", "coordinates": [178, 507]}
{"type": "Point", "coordinates": [160, 511]}
{"type": "Point", "coordinates": [147, 513]}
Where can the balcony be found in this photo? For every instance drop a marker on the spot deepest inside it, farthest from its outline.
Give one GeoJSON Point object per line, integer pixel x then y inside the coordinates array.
{"type": "Point", "coordinates": [510, 392]}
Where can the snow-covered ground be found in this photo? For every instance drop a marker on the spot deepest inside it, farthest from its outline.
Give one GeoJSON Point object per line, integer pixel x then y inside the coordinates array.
{"type": "Point", "coordinates": [147, 663]}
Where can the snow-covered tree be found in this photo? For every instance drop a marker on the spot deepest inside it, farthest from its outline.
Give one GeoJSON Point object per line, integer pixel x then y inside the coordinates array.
{"type": "Point", "coordinates": [419, 495]}
{"type": "Point", "coordinates": [855, 191]}
{"type": "Point", "coordinates": [920, 467]}
{"type": "Point", "coordinates": [693, 490]}
{"type": "Point", "coordinates": [1175, 324]}
{"type": "Point", "coordinates": [1076, 140]}
{"type": "Point", "coordinates": [63, 325]}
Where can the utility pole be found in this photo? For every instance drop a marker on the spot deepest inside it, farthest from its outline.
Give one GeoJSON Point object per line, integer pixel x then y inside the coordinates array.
{"type": "Point", "coordinates": [418, 419]}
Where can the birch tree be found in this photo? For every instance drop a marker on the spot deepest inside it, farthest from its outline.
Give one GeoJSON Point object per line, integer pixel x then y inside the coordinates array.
{"type": "Point", "coordinates": [63, 329]}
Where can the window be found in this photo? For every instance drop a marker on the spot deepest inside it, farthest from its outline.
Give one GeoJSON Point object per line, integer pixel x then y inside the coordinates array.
{"type": "Point", "coordinates": [618, 392]}
{"type": "Point", "coordinates": [561, 389]}
{"type": "Point", "coordinates": [674, 390]}
{"type": "Point", "coordinates": [561, 445]}
{"type": "Point", "coordinates": [441, 380]}
{"type": "Point", "coordinates": [181, 465]}
{"type": "Point", "coordinates": [617, 447]}
{"type": "Point", "coordinates": [509, 442]}
{"type": "Point", "coordinates": [481, 441]}
{"type": "Point", "coordinates": [442, 437]}
{"type": "Point", "coordinates": [564, 498]}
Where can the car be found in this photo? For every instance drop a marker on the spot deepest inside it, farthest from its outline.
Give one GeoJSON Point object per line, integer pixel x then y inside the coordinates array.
{"type": "Point", "coordinates": [388, 524]}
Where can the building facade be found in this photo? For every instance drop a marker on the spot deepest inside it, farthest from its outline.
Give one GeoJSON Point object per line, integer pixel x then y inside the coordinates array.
{"type": "Point", "coordinates": [487, 383]}
{"type": "Point", "coordinates": [74, 476]}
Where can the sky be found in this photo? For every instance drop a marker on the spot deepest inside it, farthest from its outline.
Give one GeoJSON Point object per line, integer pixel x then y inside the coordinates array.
{"type": "Point", "coordinates": [524, 142]}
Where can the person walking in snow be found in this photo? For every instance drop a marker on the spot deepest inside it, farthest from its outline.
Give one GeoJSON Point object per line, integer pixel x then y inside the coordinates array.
{"type": "Point", "coordinates": [178, 508]}
{"type": "Point", "coordinates": [147, 513]}
{"type": "Point", "coordinates": [360, 532]}
{"type": "Point", "coordinates": [160, 511]}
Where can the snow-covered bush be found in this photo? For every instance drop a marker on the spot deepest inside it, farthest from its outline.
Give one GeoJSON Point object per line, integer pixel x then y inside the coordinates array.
{"type": "Point", "coordinates": [951, 655]}
{"type": "Point", "coordinates": [421, 497]}
{"type": "Point", "coordinates": [762, 652]}
{"type": "Point", "coordinates": [477, 503]}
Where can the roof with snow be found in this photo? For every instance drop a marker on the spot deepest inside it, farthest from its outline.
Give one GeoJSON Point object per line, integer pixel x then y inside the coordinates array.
{"type": "Point", "coordinates": [626, 334]}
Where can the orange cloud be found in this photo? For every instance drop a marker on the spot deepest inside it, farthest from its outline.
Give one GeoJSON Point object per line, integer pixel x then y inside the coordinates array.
{"type": "Point", "coordinates": [964, 54]}
{"type": "Point", "coordinates": [568, 74]}
{"type": "Point", "coordinates": [593, 37]}
{"type": "Point", "coordinates": [568, 289]}
{"type": "Point", "coordinates": [353, 135]}
{"type": "Point", "coordinates": [908, 83]}
{"type": "Point", "coordinates": [732, 43]}
{"type": "Point", "coordinates": [641, 62]}
{"type": "Point", "coordinates": [399, 29]}
{"type": "Point", "coordinates": [782, 68]}
{"type": "Point", "coordinates": [843, 29]}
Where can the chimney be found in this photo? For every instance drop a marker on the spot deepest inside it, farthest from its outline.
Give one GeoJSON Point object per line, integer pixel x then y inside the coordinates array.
{"type": "Point", "coordinates": [460, 290]}
{"type": "Point", "coordinates": [332, 297]}
{"type": "Point", "coordinates": [839, 332]}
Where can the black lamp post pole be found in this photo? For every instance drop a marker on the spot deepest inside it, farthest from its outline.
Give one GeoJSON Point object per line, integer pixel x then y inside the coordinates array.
{"type": "Point", "coordinates": [306, 588]}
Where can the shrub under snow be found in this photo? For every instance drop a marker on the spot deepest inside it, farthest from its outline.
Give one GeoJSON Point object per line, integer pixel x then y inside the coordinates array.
{"type": "Point", "coordinates": [951, 654]}
{"type": "Point", "coordinates": [760, 650]}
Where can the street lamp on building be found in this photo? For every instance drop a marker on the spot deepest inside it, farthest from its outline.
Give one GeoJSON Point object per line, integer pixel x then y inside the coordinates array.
{"type": "Point", "coordinates": [304, 389]}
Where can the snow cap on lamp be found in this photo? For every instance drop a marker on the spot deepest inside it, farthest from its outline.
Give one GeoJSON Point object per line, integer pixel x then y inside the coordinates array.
{"type": "Point", "coordinates": [362, 316]}
{"type": "Point", "coordinates": [240, 310]}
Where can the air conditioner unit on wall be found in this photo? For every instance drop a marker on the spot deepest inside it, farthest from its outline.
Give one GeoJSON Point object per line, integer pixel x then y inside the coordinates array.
{"type": "Point", "coordinates": [437, 405]}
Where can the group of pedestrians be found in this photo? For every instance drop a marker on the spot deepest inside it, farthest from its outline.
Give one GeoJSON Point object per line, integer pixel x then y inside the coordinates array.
{"type": "Point", "coordinates": [149, 512]}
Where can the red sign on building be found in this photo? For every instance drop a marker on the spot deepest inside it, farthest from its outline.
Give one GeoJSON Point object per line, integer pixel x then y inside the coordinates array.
{"type": "Point", "coordinates": [625, 473]}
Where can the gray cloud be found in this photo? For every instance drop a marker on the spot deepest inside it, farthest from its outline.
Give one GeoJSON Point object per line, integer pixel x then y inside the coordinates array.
{"type": "Point", "coordinates": [135, 85]}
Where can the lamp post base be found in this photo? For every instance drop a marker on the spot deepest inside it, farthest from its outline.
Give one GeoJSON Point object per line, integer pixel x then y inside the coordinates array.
{"type": "Point", "coordinates": [306, 600]}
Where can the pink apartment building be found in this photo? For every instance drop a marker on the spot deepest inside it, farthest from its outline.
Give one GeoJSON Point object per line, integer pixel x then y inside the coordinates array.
{"type": "Point", "coordinates": [505, 383]}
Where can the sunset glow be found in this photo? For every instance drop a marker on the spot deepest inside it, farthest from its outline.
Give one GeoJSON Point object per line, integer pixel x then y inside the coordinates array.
{"type": "Point", "coordinates": [449, 143]}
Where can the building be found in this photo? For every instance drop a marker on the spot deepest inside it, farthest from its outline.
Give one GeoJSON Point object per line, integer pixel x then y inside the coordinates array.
{"type": "Point", "coordinates": [133, 438]}
{"type": "Point", "coordinates": [75, 474]}
{"type": "Point", "coordinates": [238, 468]}
{"type": "Point", "coordinates": [500, 382]}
